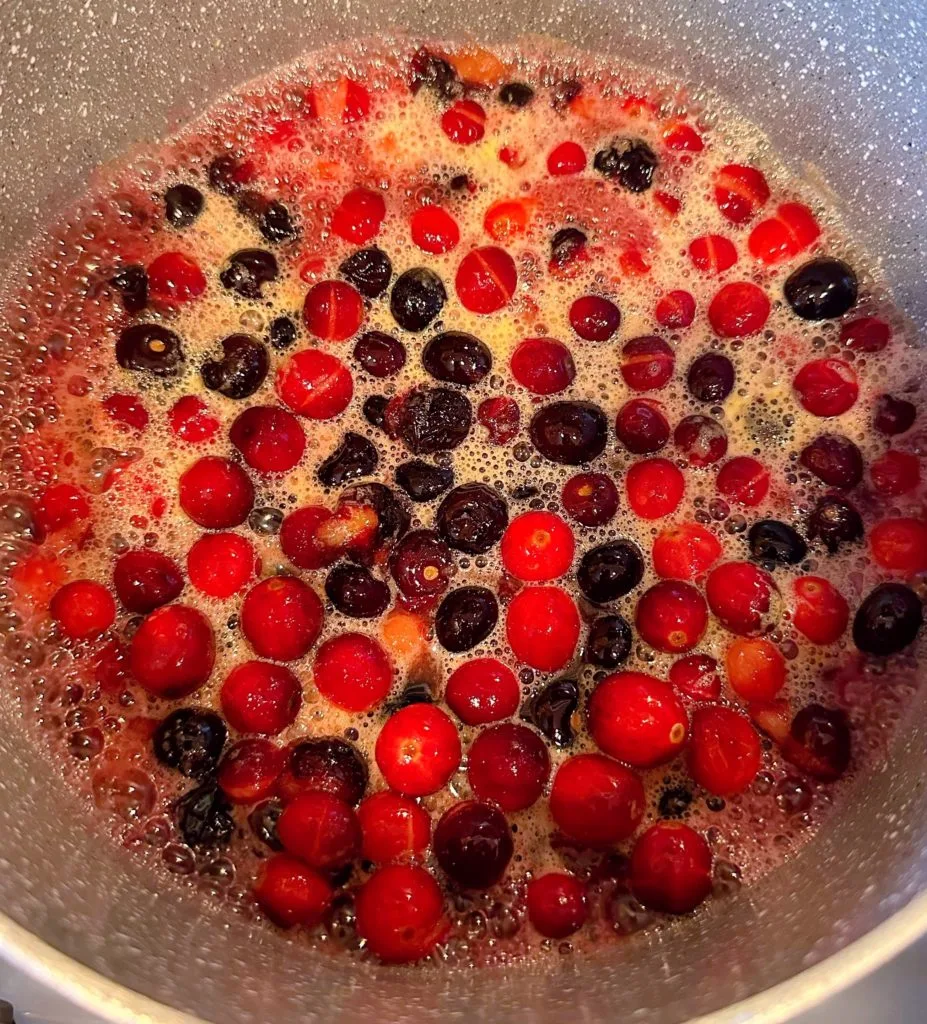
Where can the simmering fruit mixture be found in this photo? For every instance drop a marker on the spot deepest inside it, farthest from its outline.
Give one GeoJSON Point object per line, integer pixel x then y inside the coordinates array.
{"type": "Point", "coordinates": [461, 504]}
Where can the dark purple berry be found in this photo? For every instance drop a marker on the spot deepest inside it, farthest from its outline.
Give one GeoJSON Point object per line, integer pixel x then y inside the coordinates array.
{"type": "Point", "coordinates": [552, 711]}
{"type": "Point", "coordinates": [421, 564]}
{"type": "Point", "coordinates": [182, 205]}
{"type": "Point", "coordinates": [205, 817]}
{"type": "Point", "coordinates": [834, 459]}
{"type": "Point", "coordinates": [457, 358]}
{"type": "Point", "coordinates": [241, 370]}
{"type": "Point", "coordinates": [821, 289]}
{"type": "Point", "coordinates": [381, 355]}
{"type": "Point", "coordinates": [610, 571]}
{"type": "Point", "coordinates": [190, 740]}
{"type": "Point", "coordinates": [151, 349]}
{"type": "Point", "coordinates": [354, 591]}
{"type": "Point", "coordinates": [773, 543]}
{"type": "Point", "coordinates": [711, 377]}
{"type": "Point", "coordinates": [248, 271]}
{"type": "Point", "coordinates": [609, 642]}
{"type": "Point", "coordinates": [894, 415]}
{"type": "Point", "coordinates": [473, 844]}
{"type": "Point", "coordinates": [355, 456]}
{"type": "Point", "coordinates": [465, 618]}
{"type": "Point", "coordinates": [132, 284]}
{"type": "Point", "coordinates": [571, 433]}
{"type": "Point", "coordinates": [369, 270]}
{"type": "Point", "coordinates": [834, 522]}
{"type": "Point", "coordinates": [423, 481]}
{"type": "Point", "coordinates": [418, 296]}
{"type": "Point", "coordinates": [888, 620]}
{"type": "Point", "coordinates": [472, 518]}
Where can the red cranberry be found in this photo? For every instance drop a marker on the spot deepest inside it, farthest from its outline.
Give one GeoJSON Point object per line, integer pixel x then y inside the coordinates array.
{"type": "Point", "coordinates": [222, 564]}
{"type": "Point", "coordinates": [144, 580]}
{"type": "Point", "coordinates": [126, 409]}
{"type": "Point", "coordinates": [249, 770]}
{"type": "Point", "coordinates": [473, 844]}
{"type": "Point", "coordinates": [834, 459]}
{"type": "Point", "coordinates": [557, 905]}
{"type": "Point", "coordinates": [269, 438]}
{"type": "Point", "coordinates": [216, 493]}
{"type": "Point", "coordinates": [501, 418]}
{"type": "Point", "coordinates": [743, 597]}
{"type": "Point", "coordinates": [671, 616]}
{"type": "Point", "coordinates": [685, 551]}
{"type": "Point", "coordinates": [173, 651]}
{"type": "Point", "coordinates": [596, 801]}
{"type": "Point", "coordinates": [301, 541]}
{"type": "Point", "coordinates": [190, 420]}
{"type": "Point", "coordinates": [359, 215]}
{"type": "Point", "coordinates": [83, 609]}
{"type": "Point", "coordinates": [506, 220]}
{"type": "Point", "coordinates": [724, 751]}
{"type": "Point", "coordinates": [537, 546]}
{"type": "Point", "coordinates": [900, 545]}
{"type": "Point", "coordinates": [393, 828]}
{"type": "Point", "coordinates": [743, 480]}
{"type": "Point", "coordinates": [819, 742]}
{"type": "Point", "coordinates": [755, 668]}
{"type": "Point", "coordinates": [647, 363]}
{"type": "Point", "coordinates": [792, 230]}
{"type": "Point", "coordinates": [292, 894]}
{"type": "Point", "coordinates": [594, 318]}
{"type": "Point", "coordinates": [894, 415]}
{"type": "Point", "coordinates": [710, 378]}
{"type": "Point", "coordinates": [400, 914]}
{"type": "Point", "coordinates": [702, 439]}
{"type": "Point", "coordinates": [590, 498]}
{"type": "Point", "coordinates": [381, 355]}
{"type": "Point", "coordinates": [542, 626]}
{"type": "Point", "coordinates": [696, 677]}
{"type": "Point", "coordinates": [675, 310]}
{"type": "Point", "coordinates": [464, 122]}
{"type": "Point", "coordinates": [655, 488]}
{"type": "Point", "coordinates": [482, 690]}
{"type": "Point", "coordinates": [174, 277]}
{"type": "Point", "coordinates": [712, 254]}
{"type": "Point", "coordinates": [324, 764]}
{"type": "Point", "coordinates": [821, 612]}
{"type": "Point", "coordinates": [827, 387]}
{"type": "Point", "coordinates": [543, 366]}
{"type": "Point", "coordinates": [418, 750]}
{"type": "Point", "coordinates": [486, 279]}
{"type": "Point", "coordinates": [641, 426]}
{"type": "Point", "coordinates": [739, 310]}
{"type": "Point", "coordinates": [261, 697]}
{"type": "Point", "coordinates": [434, 230]}
{"type": "Point", "coordinates": [508, 765]}
{"type": "Point", "coordinates": [320, 829]}
{"type": "Point", "coordinates": [671, 868]}
{"type": "Point", "coordinates": [740, 191]}
{"type": "Point", "coordinates": [867, 334]}
{"type": "Point", "coordinates": [894, 473]}
{"type": "Point", "coordinates": [59, 507]}
{"type": "Point", "coordinates": [353, 672]}
{"type": "Point", "coordinates": [682, 137]}
{"type": "Point", "coordinates": [566, 158]}
{"type": "Point", "coordinates": [315, 384]}
{"type": "Point", "coordinates": [333, 311]}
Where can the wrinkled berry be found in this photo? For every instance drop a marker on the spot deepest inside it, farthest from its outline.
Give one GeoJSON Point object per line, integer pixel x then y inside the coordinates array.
{"type": "Point", "coordinates": [205, 817]}
{"type": "Point", "coordinates": [465, 618]}
{"type": "Point", "coordinates": [132, 283]}
{"type": "Point", "coordinates": [355, 456]}
{"type": "Point", "coordinates": [430, 420]}
{"type": "Point", "coordinates": [356, 592]}
{"type": "Point", "coordinates": [182, 205]}
{"type": "Point", "coordinates": [418, 296]}
{"type": "Point", "coordinates": [369, 270]}
{"type": "Point", "coordinates": [609, 642]}
{"type": "Point", "coordinates": [773, 543]}
{"type": "Point", "coordinates": [248, 271]}
{"type": "Point", "coordinates": [422, 481]}
{"type": "Point", "coordinates": [190, 741]}
{"type": "Point", "coordinates": [472, 518]}
{"type": "Point", "coordinates": [631, 161]}
{"type": "Point", "coordinates": [241, 370]}
{"type": "Point", "coordinates": [516, 94]}
{"type": "Point", "coordinates": [835, 521]}
{"type": "Point", "coordinates": [552, 711]}
{"type": "Point", "coordinates": [150, 348]}
{"type": "Point", "coordinates": [457, 358]}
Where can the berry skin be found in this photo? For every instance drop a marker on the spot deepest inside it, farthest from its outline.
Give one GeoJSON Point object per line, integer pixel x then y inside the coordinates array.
{"type": "Point", "coordinates": [647, 363]}
{"type": "Point", "coordinates": [173, 651]}
{"type": "Point", "coordinates": [827, 387]}
{"type": "Point", "coordinates": [144, 580]}
{"type": "Point", "coordinates": [894, 473]}
{"type": "Point", "coordinates": [792, 230]}
{"type": "Point", "coordinates": [696, 676]}
{"type": "Point", "coordinates": [654, 488]}
{"type": "Point", "coordinates": [215, 493]}
{"type": "Point", "coordinates": [418, 750]}
{"type": "Point", "coordinates": [743, 480]}
{"type": "Point", "coordinates": [543, 366]}
{"type": "Point", "coordinates": [739, 310]}
{"type": "Point", "coordinates": [249, 770]}
{"type": "Point", "coordinates": [501, 418]}
{"type": "Point", "coordinates": [724, 751]}
{"type": "Point", "coordinates": [175, 278]}
{"type": "Point", "coordinates": [315, 384]}
{"type": "Point", "coordinates": [508, 765]}
{"type": "Point", "coordinates": [281, 618]}
{"type": "Point", "coordinates": [320, 830]}
{"type": "Point", "coordinates": [682, 137]}
{"type": "Point", "coordinates": [400, 914]}
{"type": "Point", "coordinates": [83, 609]}
{"type": "Point", "coordinates": [464, 122]}
{"type": "Point", "coordinates": [359, 215]}
{"type": "Point", "coordinates": [260, 697]}
{"type": "Point", "coordinates": [685, 551]}
{"type": "Point", "coordinates": [821, 612]}
{"type": "Point", "coordinates": [740, 192]}
{"type": "Point", "coordinates": [637, 719]}
{"type": "Point", "coordinates": [542, 626]}
{"type": "Point", "coordinates": [60, 506]}
{"type": "Point", "coordinates": [434, 230]}
{"type": "Point", "coordinates": [222, 564]}
{"type": "Point", "coordinates": [486, 279]}
{"type": "Point", "coordinates": [596, 801]}
{"type": "Point", "coordinates": [482, 690]}
{"type": "Point", "coordinates": [712, 254]}
{"type": "Point", "coordinates": [900, 545]}
{"type": "Point", "coordinates": [557, 905]}
{"type": "Point", "coordinates": [675, 310]}
{"type": "Point", "coordinates": [190, 420]}
{"type": "Point", "coordinates": [671, 868]}
{"type": "Point", "coordinates": [270, 439]}
{"type": "Point", "coordinates": [292, 894]}
{"type": "Point", "coordinates": [333, 311]}
{"type": "Point", "coordinates": [567, 158]}
{"type": "Point", "coordinates": [594, 318]}
{"type": "Point", "coordinates": [755, 668]}
{"type": "Point", "coordinates": [742, 596]}
{"type": "Point", "coordinates": [353, 672]}
{"type": "Point", "coordinates": [537, 546]}
{"type": "Point", "coordinates": [671, 616]}
{"type": "Point", "coordinates": [393, 828]}
{"type": "Point", "coordinates": [590, 498]}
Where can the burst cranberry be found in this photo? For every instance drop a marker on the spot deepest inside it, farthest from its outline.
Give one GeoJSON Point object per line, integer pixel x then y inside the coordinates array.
{"type": "Point", "coordinates": [174, 277]}
{"type": "Point", "coordinates": [501, 418]}
{"type": "Point", "coordinates": [596, 801]}
{"type": "Point", "coordinates": [260, 697]}
{"type": "Point", "coordinates": [333, 311]}
{"type": "Point", "coordinates": [215, 493]}
{"type": "Point", "coordinates": [190, 420]}
{"type": "Point", "coordinates": [671, 868]}
{"type": "Point", "coordinates": [60, 506]}
{"type": "Point", "coordinates": [483, 690]}
{"type": "Point", "coordinates": [685, 551]}
{"type": "Point", "coordinates": [655, 488]}
{"type": "Point", "coordinates": [641, 426]}
{"type": "Point", "coordinates": [739, 310]}
{"type": "Point", "coordinates": [567, 158]}
{"type": "Point", "coordinates": [724, 751]}
{"type": "Point", "coordinates": [894, 473]}
{"type": "Point", "coordinates": [126, 409]}
{"type": "Point", "coordinates": [83, 609]}
{"type": "Point", "coordinates": [300, 539]}
{"type": "Point", "coordinates": [537, 546]}
{"type": "Point", "coordinates": [834, 459]}
{"type": "Point", "coordinates": [270, 439]}
{"type": "Point", "coordinates": [434, 230]}
{"type": "Point", "coordinates": [359, 215]}
{"type": "Point", "coordinates": [221, 564]}
{"type": "Point", "coordinates": [418, 750]}
{"type": "Point", "coordinates": [867, 334]}
{"type": "Point", "coordinates": [819, 742]}
{"type": "Point", "coordinates": [702, 439]}
{"type": "Point", "coordinates": [893, 415]}
{"type": "Point", "coordinates": [486, 279]}
{"type": "Point", "coordinates": [353, 672]}
{"type": "Point", "coordinates": [742, 596]}
{"type": "Point", "coordinates": [647, 363]}
{"type": "Point", "coordinates": [173, 651]}
{"type": "Point", "coordinates": [821, 612]}
{"type": "Point", "coordinates": [637, 719]}
{"type": "Point", "coordinates": [400, 914]}
{"type": "Point", "coordinates": [675, 310]}
{"type": "Point", "coordinates": [291, 894]}
{"type": "Point", "coordinates": [249, 770]}
{"type": "Point", "coordinates": [320, 829]}
{"type": "Point", "coordinates": [739, 192]}
{"type": "Point", "coordinates": [315, 384]}
{"type": "Point", "coordinates": [594, 318]}
{"type": "Point", "coordinates": [755, 668]}
{"type": "Point", "coordinates": [590, 498]}
{"type": "Point", "coordinates": [464, 122]}
{"type": "Point", "coordinates": [282, 618]}
{"type": "Point", "coordinates": [393, 828]}
{"type": "Point", "coordinates": [900, 545]}
{"type": "Point", "coordinates": [827, 387]}
{"type": "Point", "coordinates": [712, 254]}
{"type": "Point", "coordinates": [785, 235]}
{"type": "Point", "coordinates": [508, 765]}
{"type": "Point", "coordinates": [557, 905]}
{"type": "Point", "coordinates": [682, 137]}
{"type": "Point", "coordinates": [543, 366]}
{"type": "Point", "coordinates": [696, 677]}
{"type": "Point", "coordinates": [542, 626]}
{"type": "Point", "coordinates": [507, 219]}
{"type": "Point", "coordinates": [671, 616]}
{"type": "Point", "coordinates": [144, 580]}
{"type": "Point", "coordinates": [323, 764]}
{"type": "Point", "coordinates": [743, 480]}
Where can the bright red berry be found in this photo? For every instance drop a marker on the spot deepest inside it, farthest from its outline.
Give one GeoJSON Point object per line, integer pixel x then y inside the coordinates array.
{"type": "Point", "coordinates": [755, 668]}
{"type": "Point", "coordinates": [792, 230]}
{"type": "Point", "coordinates": [269, 438]}
{"type": "Point", "coordinates": [724, 751]}
{"type": "Point", "coordinates": [900, 545]}
{"type": "Point", "coordinates": [567, 158]}
{"type": "Point", "coordinates": [261, 697]}
{"type": "Point", "coordinates": [483, 690]}
{"type": "Point", "coordinates": [144, 580]}
{"type": "Point", "coordinates": [60, 506]}
{"type": "Point", "coordinates": [249, 770]}
{"type": "Point", "coordinates": [685, 551]}
{"type": "Point", "coordinates": [216, 493]}
{"type": "Point", "coordinates": [393, 828]}
{"type": "Point", "coordinates": [542, 625]}
{"type": "Point", "coordinates": [641, 426]}
{"type": "Point", "coordinates": [434, 230]}
{"type": "Point", "coordinates": [543, 366]}
{"type": "Point", "coordinates": [821, 612]}
{"type": "Point", "coordinates": [675, 310]}
{"type": "Point", "coordinates": [712, 254]}
{"type": "Point", "coordinates": [300, 539]}
{"type": "Point", "coordinates": [537, 546]}
{"type": "Point", "coordinates": [174, 277]}
{"type": "Point", "coordinates": [682, 137]}
{"type": "Point", "coordinates": [359, 216]}
{"type": "Point", "coordinates": [508, 765]}
{"type": "Point", "coordinates": [827, 387]}
{"type": "Point", "coordinates": [696, 677]}
{"type": "Point", "coordinates": [83, 609]}
{"type": "Point", "coordinates": [190, 420]}
{"type": "Point", "coordinates": [654, 488]}
{"type": "Point", "coordinates": [292, 894]}
{"type": "Point", "coordinates": [173, 651]}
{"type": "Point", "coordinates": [126, 409]}
{"type": "Point", "coordinates": [647, 363]}
{"type": "Point", "coordinates": [594, 318]}
{"type": "Point", "coordinates": [281, 618]}
{"type": "Point", "coordinates": [418, 750]}
{"type": "Point", "coordinates": [701, 439]}
{"type": "Point", "coordinates": [501, 418]}
{"type": "Point", "coordinates": [894, 473]}
{"type": "Point", "coordinates": [353, 672]}
{"type": "Point", "coordinates": [590, 498]}
{"type": "Point", "coordinates": [333, 311]}
{"type": "Point", "coordinates": [739, 310]}
{"type": "Point", "coordinates": [320, 830]}
{"type": "Point", "coordinates": [557, 905]}
{"type": "Point", "coordinates": [486, 279]}
{"type": "Point", "coordinates": [596, 801]}
{"type": "Point", "coordinates": [743, 597]}
{"type": "Point", "coordinates": [400, 913]}
{"type": "Point", "coordinates": [671, 868]}
{"type": "Point", "coordinates": [222, 564]}
{"type": "Point", "coordinates": [739, 192]}
{"type": "Point", "coordinates": [464, 122]}
{"type": "Point", "coordinates": [743, 480]}
{"type": "Point", "coordinates": [671, 616]}
{"type": "Point", "coordinates": [315, 384]}
{"type": "Point", "coordinates": [867, 334]}
{"type": "Point", "coordinates": [507, 219]}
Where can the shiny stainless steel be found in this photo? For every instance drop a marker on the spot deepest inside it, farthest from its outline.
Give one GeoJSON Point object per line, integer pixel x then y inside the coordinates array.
{"type": "Point", "coordinates": [838, 85]}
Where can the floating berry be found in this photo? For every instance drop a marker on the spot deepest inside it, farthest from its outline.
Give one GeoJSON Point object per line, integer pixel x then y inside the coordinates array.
{"type": "Point", "coordinates": [127, 410]}
{"type": "Point", "coordinates": [393, 828]}
{"type": "Point", "coordinates": [543, 366]}
{"type": "Point", "coordinates": [305, 545]}
{"type": "Point", "coordinates": [833, 459]}
{"type": "Point", "coordinates": [637, 719]}
{"type": "Point", "coordinates": [682, 137]}
{"type": "Point", "coordinates": [292, 894]}
{"type": "Point", "coordinates": [773, 543]}
{"type": "Point", "coordinates": [418, 750]}
{"type": "Point", "coordinates": [465, 618]}
{"type": "Point", "coordinates": [182, 205]}
{"type": "Point", "coordinates": [696, 677]}
{"type": "Point", "coordinates": [248, 271]}
{"type": "Point", "coordinates": [241, 370]}
{"type": "Point", "coordinates": [190, 741]}
{"type": "Point", "coordinates": [418, 296]}
{"type": "Point", "coordinates": [464, 122]}
{"type": "Point", "coordinates": [216, 493]}
{"type": "Point", "coordinates": [354, 457]}
{"type": "Point", "coordinates": [743, 597]}
{"type": "Point", "coordinates": [821, 612]}
{"type": "Point", "coordinates": [353, 672]}
{"type": "Point", "coordinates": [647, 363]}
{"type": "Point", "coordinates": [508, 765]}
{"type": "Point", "coordinates": [456, 357]}
{"type": "Point", "coordinates": [333, 311]}
{"type": "Point", "coordinates": [900, 545]}
{"type": "Point", "coordinates": [83, 609]}
{"type": "Point", "coordinates": [675, 310]}
{"type": "Point", "coordinates": [570, 433]}
{"type": "Point", "coordinates": [827, 387]}
{"type": "Point", "coordinates": [594, 318]}
{"type": "Point", "coordinates": [596, 801]}
{"type": "Point", "coordinates": [486, 279]}
{"type": "Point", "coordinates": [321, 830]}
{"type": "Point", "coordinates": [641, 426]}
{"type": "Point", "coordinates": [712, 254]}
{"type": "Point", "coordinates": [222, 564]}
{"type": "Point", "coordinates": [867, 334]}
{"type": "Point", "coordinates": [400, 914]}
{"type": "Point", "coordinates": [145, 579]}
{"type": "Point", "coordinates": [173, 651]}
{"type": "Point", "coordinates": [359, 216]}
{"type": "Point", "coordinates": [422, 481]}
{"type": "Point", "coordinates": [888, 620]}
{"type": "Point", "coordinates": [175, 277]}
{"type": "Point", "coordinates": [724, 751]}
{"type": "Point", "coordinates": [557, 905]}
{"type": "Point", "coordinates": [537, 546]}
{"type": "Point", "coordinates": [190, 420]}
{"type": "Point", "coordinates": [819, 742]}
{"type": "Point", "coordinates": [608, 643]}
{"type": "Point", "coordinates": [590, 498]}
{"type": "Point", "coordinates": [315, 384]}
{"type": "Point", "coordinates": [894, 415]}
{"type": "Point", "coordinates": [740, 192]}
{"type": "Point", "coordinates": [702, 439]}
{"type": "Point", "coordinates": [473, 844]}
{"type": "Point", "coordinates": [269, 438]}
{"type": "Point", "coordinates": [654, 488]}
{"type": "Point", "coordinates": [566, 158]}
{"type": "Point", "coordinates": [59, 507]}
{"type": "Point", "coordinates": [421, 564]}
{"type": "Point", "coordinates": [671, 616]}
{"type": "Point", "coordinates": [472, 518]}
{"type": "Point", "coordinates": [324, 764]}
{"type": "Point", "coordinates": [755, 668]}
{"type": "Point", "coordinates": [743, 480]}
{"type": "Point", "coordinates": [894, 473]}
{"type": "Point", "coordinates": [821, 289]}
{"type": "Point", "coordinates": [685, 551]}
{"type": "Point", "coordinates": [739, 310]}
{"type": "Point", "coordinates": [542, 626]}
{"type": "Point", "coordinates": [381, 355]}
{"type": "Point", "coordinates": [568, 250]}
{"type": "Point", "coordinates": [434, 230]}
{"type": "Point", "coordinates": [261, 697]}
{"type": "Point", "coordinates": [610, 571]}
{"type": "Point", "coordinates": [710, 378]}
{"type": "Point", "coordinates": [249, 770]}
{"type": "Point", "coordinates": [506, 220]}
{"type": "Point", "coordinates": [671, 868]}
{"type": "Point", "coordinates": [501, 417]}
{"type": "Point", "coordinates": [281, 618]}
{"type": "Point", "coordinates": [792, 230]}
{"type": "Point", "coordinates": [482, 690]}
{"type": "Point", "coordinates": [369, 270]}
{"type": "Point", "coordinates": [836, 522]}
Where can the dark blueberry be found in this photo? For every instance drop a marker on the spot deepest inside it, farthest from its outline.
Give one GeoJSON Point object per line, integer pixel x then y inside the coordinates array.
{"type": "Point", "coordinates": [566, 245]}
{"type": "Point", "coordinates": [272, 217]}
{"type": "Point", "coordinates": [835, 459]}
{"type": "Point", "coordinates": [374, 410]}
{"type": "Point", "coordinates": [241, 370]}
{"type": "Point", "coordinates": [227, 175]}
{"type": "Point", "coordinates": [570, 433]}
{"type": "Point", "coordinates": [472, 518]}
{"type": "Point", "coordinates": [430, 420]}
{"type": "Point", "coordinates": [190, 741]}
{"type": "Point", "coordinates": [609, 642]}
{"type": "Point", "coordinates": [552, 711]}
{"type": "Point", "coordinates": [132, 284]}
{"type": "Point", "coordinates": [835, 521]}
{"type": "Point", "coordinates": [263, 821]}
{"type": "Point", "coordinates": [711, 377]}
{"type": "Point", "coordinates": [773, 543]}
{"type": "Point", "coordinates": [418, 296]}
{"type": "Point", "coordinates": [355, 592]}
{"type": "Point", "coordinates": [381, 355]}
{"type": "Point", "coordinates": [516, 94]}
{"type": "Point", "coordinates": [821, 289]}
{"type": "Point", "coordinates": [610, 571]}
{"type": "Point", "coordinates": [282, 333]}
{"type": "Point", "coordinates": [564, 92]}
{"type": "Point", "coordinates": [473, 844]}
{"type": "Point", "coordinates": [422, 481]}
{"type": "Point", "coordinates": [182, 205]}
{"type": "Point", "coordinates": [354, 457]}
{"type": "Point", "coordinates": [205, 817]}
{"type": "Point", "coordinates": [465, 618]}
{"type": "Point", "coordinates": [675, 802]}
{"type": "Point", "coordinates": [421, 564]}
{"type": "Point", "coordinates": [151, 348]}
{"type": "Point", "coordinates": [430, 71]}
{"type": "Point", "coordinates": [248, 271]}
{"type": "Point", "coordinates": [894, 415]}
{"type": "Point", "coordinates": [456, 357]}
{"type": "Point", "coordinates": [392, 514]}
{"type": "Point", "coordinates": [631, 161]}
{"type": "Point", "coordinates": [823, 736]}
{"type": "Point", "coordinates": [369, 270]}
{"type": "Point", "coordinates": [326, 764]}
{"type": "Point", "coordinates": [888, 620]}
